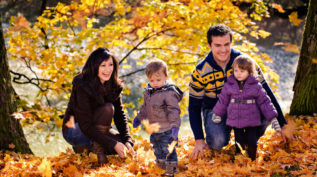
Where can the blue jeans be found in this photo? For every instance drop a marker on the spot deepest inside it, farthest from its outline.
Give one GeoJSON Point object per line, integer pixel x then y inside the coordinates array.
{"type": "Point", "coordinates": [160, 142]}
{"type": "Point", "coordinates": [217, 135]}
{"type": "Point", "coordinates": [75, 137]}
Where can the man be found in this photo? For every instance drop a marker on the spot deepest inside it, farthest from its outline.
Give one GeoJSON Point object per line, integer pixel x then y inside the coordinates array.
{"type": "Point", "coordinates": [207, 81]}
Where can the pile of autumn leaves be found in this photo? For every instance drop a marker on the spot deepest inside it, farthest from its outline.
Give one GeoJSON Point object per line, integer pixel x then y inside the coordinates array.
{"type": "Point", "coordinates": [298, 157]}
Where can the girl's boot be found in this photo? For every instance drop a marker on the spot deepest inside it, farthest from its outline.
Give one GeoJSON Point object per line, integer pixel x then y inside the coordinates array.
{"type": "Point", "coordinates": [252, 152]}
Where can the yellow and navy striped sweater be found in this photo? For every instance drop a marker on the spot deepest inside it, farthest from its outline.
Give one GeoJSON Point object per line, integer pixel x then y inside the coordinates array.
{"type": "Point", "coordinates": [208, 78]}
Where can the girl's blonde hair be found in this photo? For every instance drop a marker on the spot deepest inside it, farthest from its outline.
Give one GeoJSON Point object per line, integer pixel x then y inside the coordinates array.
{"type": "Point", "coordinates": [155, 66]}
{"type": "Point", "coordinates": [245, 62]}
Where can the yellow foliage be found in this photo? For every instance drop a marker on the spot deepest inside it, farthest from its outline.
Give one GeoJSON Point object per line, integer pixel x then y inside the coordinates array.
{"type": "Point", "coordinates": [150, 128]}
{"type": "Point", "coordinates": [45, 168]}
{"type": "Point", "coordinates": [59, 42]}
{"type": "Point", "coordinates": [291, 48]}
{"type": "Point", "coordinates": [278, 7]}
{"type": "Point", "coordinates": [293, 18]}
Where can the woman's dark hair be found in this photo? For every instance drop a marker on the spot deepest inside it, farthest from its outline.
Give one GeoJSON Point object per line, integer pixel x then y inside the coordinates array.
{"type": "Point", "coordinates": [91, 66]}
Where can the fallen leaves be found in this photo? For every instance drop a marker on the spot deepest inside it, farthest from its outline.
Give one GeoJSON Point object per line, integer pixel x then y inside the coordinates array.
{"type": "Point", "coordinates": [298, 157]}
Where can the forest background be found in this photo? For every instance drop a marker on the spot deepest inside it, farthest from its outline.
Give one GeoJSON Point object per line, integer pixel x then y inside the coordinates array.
{"type": "Point", "coordinates": [47, 43]}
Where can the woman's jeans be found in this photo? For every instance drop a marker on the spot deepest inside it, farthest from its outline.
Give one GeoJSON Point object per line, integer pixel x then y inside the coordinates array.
{"type": "Point", "coordinates": [75, 137]}
{"type": "Point", "coordinates": [160, 142]}
{"type": "Point", "coordinates": [218, 135]}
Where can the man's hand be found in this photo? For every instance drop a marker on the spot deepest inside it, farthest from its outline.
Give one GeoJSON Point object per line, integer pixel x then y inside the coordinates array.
{"type": "Point", "coordinates": [120, 149]}
{"type": "Point", "coordinates": [199, 149]}
{"type": "Point", "coordinates": [129, 147]}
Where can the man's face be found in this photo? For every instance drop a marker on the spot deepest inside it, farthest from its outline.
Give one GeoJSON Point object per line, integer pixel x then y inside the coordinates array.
{"type": "Point", "coordinates": [221, 49]}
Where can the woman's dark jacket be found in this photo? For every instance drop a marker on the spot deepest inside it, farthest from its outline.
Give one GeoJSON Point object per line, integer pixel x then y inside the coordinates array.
{"type": "Point", "coordinates": [86, 96]}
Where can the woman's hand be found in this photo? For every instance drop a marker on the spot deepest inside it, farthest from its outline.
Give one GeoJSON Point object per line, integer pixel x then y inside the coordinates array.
{"type": "Point", "coordinates": [71, 122]}
{"type": "Point", "coordinates": [120, 149]}
{"type": "Point", "coordinates": [130, 148]}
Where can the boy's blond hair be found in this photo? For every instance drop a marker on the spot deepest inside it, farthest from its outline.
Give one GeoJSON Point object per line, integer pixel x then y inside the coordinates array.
{"type": "Point", "coordinates": [155, 66]}
{"type": "Point", "coordinates": [245, 62]}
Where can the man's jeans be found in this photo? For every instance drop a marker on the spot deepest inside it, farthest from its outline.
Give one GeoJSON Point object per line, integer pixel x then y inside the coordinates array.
{"type": "Point", "coordinates": [217, 135]}
{"type": "Point", "coordinates": [75, 137]}
{"type": "Point", "coordinates": [160, 142]}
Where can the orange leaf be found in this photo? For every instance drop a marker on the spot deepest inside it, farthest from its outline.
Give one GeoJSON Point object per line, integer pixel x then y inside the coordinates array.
{"type": "Point", "coordinates": [150, 128]}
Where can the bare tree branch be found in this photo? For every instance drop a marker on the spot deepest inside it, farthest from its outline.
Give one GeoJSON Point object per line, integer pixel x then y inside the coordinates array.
{"type": "Point", "coordinates": [34, 81]}
{"type": "Point", "coordinates": [147, 37]}
{"type": "Point", "coordinates": [133, 72]}
{"type": "Point", "coordinates": [160, 48]}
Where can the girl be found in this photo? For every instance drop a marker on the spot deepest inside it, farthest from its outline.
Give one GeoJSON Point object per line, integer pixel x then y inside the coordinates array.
{"type": "Point", "coordinates": [244, 99]}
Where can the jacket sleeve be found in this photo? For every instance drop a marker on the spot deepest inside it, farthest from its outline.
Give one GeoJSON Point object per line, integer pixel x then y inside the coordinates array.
{"type": "Point", "coordinates": [196, 94]}
{"type": "Point", "coordinates": [121, 121]}
{"type": "Point", "coordinates": [83, 115]}
{"type": "Point", "coordinates": [222, 104]}
{"type": "Point", "coordinates": [142, 112]}
{"type": "Point", "coordinates": [265, 104]}
{"type": "Point", "coordinates": [172, 107]}
{"type": "Point", "coordinates": [281, 119]}
{"type": "Point", "coordinates": [69, 111]}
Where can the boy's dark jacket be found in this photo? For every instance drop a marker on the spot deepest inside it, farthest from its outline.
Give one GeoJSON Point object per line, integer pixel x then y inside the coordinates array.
{"type": "Point", "coordinates": [241, 115]}
{"type": "Point", "coordinates": [85, 98]}
{"type": "Point", "coordinates": [161, 106]}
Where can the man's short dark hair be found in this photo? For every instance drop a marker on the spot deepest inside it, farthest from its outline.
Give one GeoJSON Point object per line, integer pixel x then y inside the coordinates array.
{"type": "Point", "coordinates": [218, 30]}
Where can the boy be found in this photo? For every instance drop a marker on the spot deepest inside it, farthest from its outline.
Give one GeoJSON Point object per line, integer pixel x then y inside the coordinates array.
{"type": "Point", "coordinates": [161, 106]}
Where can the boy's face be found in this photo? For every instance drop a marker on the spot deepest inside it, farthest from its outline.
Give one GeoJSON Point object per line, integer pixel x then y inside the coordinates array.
{"type": "Point", "coordinates": [157, 79]}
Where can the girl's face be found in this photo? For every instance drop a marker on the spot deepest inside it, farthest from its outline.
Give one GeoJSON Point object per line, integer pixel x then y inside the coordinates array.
{"type": "Point", "coordinates": [157, 79]}
{"type": "Point", "coordinates": [105, 70]}
{"type": "Point", "coordinates": [240, 74]}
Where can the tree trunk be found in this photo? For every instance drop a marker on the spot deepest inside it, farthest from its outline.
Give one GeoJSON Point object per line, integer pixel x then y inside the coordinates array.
{"type": "Point", "coordinates": [11, 134]}
{"type": "Point", "coordinates": [305, 86]}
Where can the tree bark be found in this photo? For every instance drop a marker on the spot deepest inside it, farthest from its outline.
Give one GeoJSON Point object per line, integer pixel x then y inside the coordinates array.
{"type": "Point", "coordinates": [305, 86]}
{"type": "Point", "coordinates": [11, 134]}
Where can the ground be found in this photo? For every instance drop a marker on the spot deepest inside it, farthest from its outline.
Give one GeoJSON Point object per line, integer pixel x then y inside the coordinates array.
{"type": "Point", "coordinates": [297, 157]}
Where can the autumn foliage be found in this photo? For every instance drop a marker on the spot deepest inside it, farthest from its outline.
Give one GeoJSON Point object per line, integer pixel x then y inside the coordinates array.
{"type": "Point", "coordinates": [297, 157]}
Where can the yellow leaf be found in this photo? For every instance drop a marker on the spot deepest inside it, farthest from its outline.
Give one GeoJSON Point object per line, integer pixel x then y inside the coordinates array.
{"type": "Point", "coordinates": [264, 34]}
{"type": "Point", "coordinates": [291, 48]}
{"type": "Point", "coordinates": [171, 146]}
{"type": "Point", "coordinates": [45, 168]}
{"type": "Point", "coordinates": [150, 128]}
{"type": "Point", "coordinates": [293, 18]}
{"type": "Point", "coordinates": [144, 84]}
{"type": "Point", "coordinates": [278, 7]}
{"type": "Point", "coordinates": [315, 60]}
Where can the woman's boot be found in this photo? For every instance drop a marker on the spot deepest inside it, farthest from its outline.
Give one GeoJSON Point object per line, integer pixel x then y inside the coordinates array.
{"type": "Point", "coordinates": [98, 149]}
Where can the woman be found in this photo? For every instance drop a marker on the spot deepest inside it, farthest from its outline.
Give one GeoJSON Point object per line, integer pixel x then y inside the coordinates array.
{"type": "Point", "coordinates": [96, 100]}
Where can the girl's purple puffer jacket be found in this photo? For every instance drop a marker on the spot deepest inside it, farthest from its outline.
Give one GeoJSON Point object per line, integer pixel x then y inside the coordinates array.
{"type": "Point", "coordinates": [239, 114]}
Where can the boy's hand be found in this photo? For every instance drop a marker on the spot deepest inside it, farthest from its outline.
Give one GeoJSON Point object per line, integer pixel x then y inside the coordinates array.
{"type": "Point", "coordinates": [175, 131]}
{"type": "Point", "coordinates": [216, 119]}
{"type": "Point", "coordinates": [136, 122]}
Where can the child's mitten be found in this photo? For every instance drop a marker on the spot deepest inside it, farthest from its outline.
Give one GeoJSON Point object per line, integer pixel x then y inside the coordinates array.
{"type": "Point", "coordinates": [136, 122]}
{"type": "Point", "coordinates": [216, 119]}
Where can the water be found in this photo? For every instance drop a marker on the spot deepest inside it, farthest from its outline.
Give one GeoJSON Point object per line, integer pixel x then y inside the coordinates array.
{"type": "Point", "coordinates": [285, 65]}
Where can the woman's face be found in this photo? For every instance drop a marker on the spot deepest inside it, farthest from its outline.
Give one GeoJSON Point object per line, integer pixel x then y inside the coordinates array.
{"type": "Point", "coordinates": [105, 70]}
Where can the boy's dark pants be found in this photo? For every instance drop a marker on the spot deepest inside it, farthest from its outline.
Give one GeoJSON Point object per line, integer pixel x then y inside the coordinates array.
{"type": "Point", "coordinates": [247, 137]}
{"type": "Point", "coordinates": [160, 142]}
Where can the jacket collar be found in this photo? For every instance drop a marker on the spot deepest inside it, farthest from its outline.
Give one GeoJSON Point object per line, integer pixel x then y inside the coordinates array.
{"type": "Point", "coordinates": [211, 61]}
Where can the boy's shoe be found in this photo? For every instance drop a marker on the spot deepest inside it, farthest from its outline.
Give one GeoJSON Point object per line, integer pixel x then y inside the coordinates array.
{"type": "Point", "coordinates": [171, 168]}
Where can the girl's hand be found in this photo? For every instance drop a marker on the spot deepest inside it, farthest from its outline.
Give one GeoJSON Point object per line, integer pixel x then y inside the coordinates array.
{"type": "Point", "coordinates": [120, 149]}
{"type": "Point", "coordinates": [71, 122]}
{"type": "Point", "coordinates": [130, 148]}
